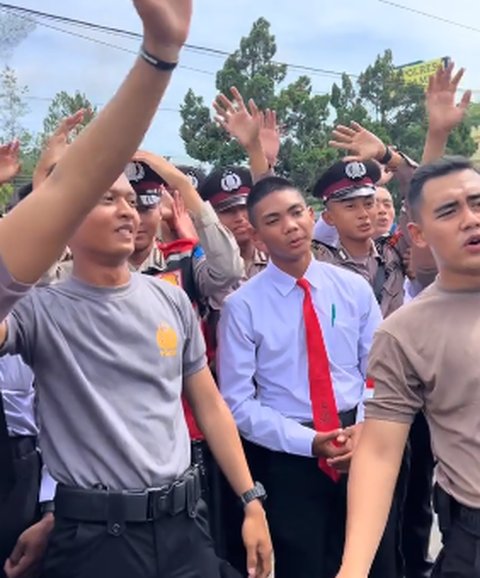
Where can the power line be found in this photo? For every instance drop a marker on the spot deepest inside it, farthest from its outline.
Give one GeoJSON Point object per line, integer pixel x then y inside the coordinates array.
{"type": "Point", "coordinates": [128, 33]}
{"type": "Point", "coordinates": [102, 42]}
{"type": "Point", "coordinates": [428, 15]}
{"type": "Point", "coordinates": [99, 104]}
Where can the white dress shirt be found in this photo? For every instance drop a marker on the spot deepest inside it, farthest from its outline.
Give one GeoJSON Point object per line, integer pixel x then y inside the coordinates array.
{"type": "Point", "coordinates": [262, 353]}
{"type": "Point", "coordinates": [16, 387]}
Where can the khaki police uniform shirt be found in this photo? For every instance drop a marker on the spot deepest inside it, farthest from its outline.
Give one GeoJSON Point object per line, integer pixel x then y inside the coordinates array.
{"type": "Point", "coordinates": [392, 293]}
{"type": "Point", "coordinates": [425, 357]}
{"type": "Point", "coordinates": [250, 269]}
{"type": "Point", "coordinates": [222, 265]}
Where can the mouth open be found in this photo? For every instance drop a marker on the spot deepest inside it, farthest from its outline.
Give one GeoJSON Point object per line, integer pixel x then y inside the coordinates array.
{"type": "Point", "coordinates": [473, 241]}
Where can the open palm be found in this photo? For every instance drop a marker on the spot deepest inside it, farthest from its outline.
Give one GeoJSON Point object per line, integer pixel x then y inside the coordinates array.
{"type": "Point", "coordinates": [241, 123]}
{"type": "Point", "coordinates": [443, 113]}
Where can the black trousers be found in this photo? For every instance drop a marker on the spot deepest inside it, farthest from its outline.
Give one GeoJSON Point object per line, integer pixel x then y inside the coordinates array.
{"type": "Point", "coordinates": [418, 511]}
{"type": "Point", "coordinates": [460, 555]}
{"type": "Point", "coordinates": [171, 547]}
{"type": "Point", "coordinates": [19, 510]}
{"type": "Point", "coordinates": [306, 511]}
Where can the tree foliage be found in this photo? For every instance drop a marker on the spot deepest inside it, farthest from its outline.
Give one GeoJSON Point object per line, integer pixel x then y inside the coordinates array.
{"type": "Point", "coordinates": [379, 99]}
{"type": "Point", "coordinates": [63, 105]}
{"type": "Point", "coordinates": [13, 106]}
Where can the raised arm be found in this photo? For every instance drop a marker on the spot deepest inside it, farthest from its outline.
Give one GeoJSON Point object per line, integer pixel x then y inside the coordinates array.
{"type": "Point", "coordinates": [245, 125]}
{"type": "Point", "coordinates": [34, 234]}
{"type": "Point", "coordinates": [444, 115]}
{"type": "Point", "coordinates": [175, 178]}
{"type": "Point", "coordinates": [55, 147]}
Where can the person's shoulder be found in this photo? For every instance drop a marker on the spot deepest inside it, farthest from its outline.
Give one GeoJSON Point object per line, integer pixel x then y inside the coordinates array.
{"type": "Point", "coordinates": [248, 292]}
{"type": "Point", "coordinates": [323, 252]}
{"type": "Point", "coordinates": [345, 278]}
{"type": "Point", "coordinates": [411, 318]}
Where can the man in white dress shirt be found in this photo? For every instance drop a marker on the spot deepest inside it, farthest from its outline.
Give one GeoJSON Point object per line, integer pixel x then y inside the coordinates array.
{"type": "Point", "coordinates": [264, 366]}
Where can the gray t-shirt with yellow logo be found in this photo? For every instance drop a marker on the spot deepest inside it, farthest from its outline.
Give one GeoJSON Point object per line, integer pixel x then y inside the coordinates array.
{"type": "Point", "coordinates": [109, 365]}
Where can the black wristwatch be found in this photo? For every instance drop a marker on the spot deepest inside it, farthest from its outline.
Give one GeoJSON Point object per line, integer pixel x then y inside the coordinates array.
{"type": "Point", "coordinates": [256, 493]}
{"type": "Point", "coordinates": [47, 507]}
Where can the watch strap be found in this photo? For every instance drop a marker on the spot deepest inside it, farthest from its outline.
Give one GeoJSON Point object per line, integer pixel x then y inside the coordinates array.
{"type": "Point", "coordinates": [256, 493]}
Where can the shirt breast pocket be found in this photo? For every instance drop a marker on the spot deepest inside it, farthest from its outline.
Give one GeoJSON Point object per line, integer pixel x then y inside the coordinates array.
{"type": "Point", "coordinates": [341, 339]}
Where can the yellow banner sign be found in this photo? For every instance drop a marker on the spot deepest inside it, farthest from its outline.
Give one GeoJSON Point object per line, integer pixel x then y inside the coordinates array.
{"type": "Point", "coordinates": [420, 72]}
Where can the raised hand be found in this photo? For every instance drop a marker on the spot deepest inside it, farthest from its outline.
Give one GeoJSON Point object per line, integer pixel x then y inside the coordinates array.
{"type": "Point", "coordinates": [362, 144]}
{"type": "Point", "coordinates": [181, 220]}
{"type": "Point", "coordinates": [56, 146]}
{"type": "Point", "coordinates": [270, 136]}
{"type": "Point", "coordinates": [9, 161]}
{"type": "Point", "coordinates": [443, 113]}
{"type": "Point", "coordinates": [241, 123]}
{"type": "Point", "coordinates": [165, 26]}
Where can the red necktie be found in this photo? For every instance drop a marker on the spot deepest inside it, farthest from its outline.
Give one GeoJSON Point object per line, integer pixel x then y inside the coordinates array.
{"type": "Point", "coordinates": [324, 407]}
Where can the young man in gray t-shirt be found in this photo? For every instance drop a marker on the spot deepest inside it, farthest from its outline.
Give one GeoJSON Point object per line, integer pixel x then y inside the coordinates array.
{"type": "Point", "coordinates": [112, 353]}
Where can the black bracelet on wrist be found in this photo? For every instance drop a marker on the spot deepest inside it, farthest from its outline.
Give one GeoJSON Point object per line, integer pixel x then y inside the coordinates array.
{"type": "Point", "coordinates": [156, 62]}
{"type": "Point", "coordinates": [387, 157]}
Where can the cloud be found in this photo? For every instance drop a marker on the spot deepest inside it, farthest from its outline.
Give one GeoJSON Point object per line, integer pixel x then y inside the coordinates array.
{"type": "Point", "coordinates": [345, 36]}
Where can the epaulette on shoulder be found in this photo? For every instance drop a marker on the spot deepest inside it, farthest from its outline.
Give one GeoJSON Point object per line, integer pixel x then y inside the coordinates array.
{"type": "Point", "coordinates": [323, 250]}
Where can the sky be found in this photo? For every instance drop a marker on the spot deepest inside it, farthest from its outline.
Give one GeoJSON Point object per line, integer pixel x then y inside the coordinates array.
{"type": "Point", "coordinates": [339, 36]}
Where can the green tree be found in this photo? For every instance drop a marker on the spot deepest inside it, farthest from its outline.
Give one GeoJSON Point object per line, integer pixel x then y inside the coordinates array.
{"type": "Point", "coordinates": [473, 117]}
{"type": "Point", "coordinates": [13, 106]}
{"type": "Point", "coordinates": [392, 109]}
{"type": "Point", "coordinates": [254, 72]}
{"type": "Point", "coordinates": [63, 105]}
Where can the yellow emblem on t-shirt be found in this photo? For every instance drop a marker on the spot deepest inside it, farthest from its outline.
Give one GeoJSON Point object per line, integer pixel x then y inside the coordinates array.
{"type": "Point", "coordinates": [167, 340]}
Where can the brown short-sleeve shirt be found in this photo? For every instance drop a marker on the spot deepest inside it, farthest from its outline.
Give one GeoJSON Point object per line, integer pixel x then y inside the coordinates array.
{"type": "Point", "coordinates": [425, 356]}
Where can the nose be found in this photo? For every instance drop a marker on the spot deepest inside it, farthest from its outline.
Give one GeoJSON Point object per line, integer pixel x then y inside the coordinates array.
{"type": "Point", "coordinates": [363, 213]}
{"type": "Point", "coordinates": [290, 224]}
{"type": "Point", "coordinates": [240, 215]}
{"type": "Point", "coordinates": [470, 218]}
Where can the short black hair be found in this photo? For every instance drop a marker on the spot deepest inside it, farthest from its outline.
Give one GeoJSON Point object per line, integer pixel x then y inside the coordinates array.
{"type": "Point", "coordinates": [264, 188]}
{"type": "Point", "coordinates": [439, 168]}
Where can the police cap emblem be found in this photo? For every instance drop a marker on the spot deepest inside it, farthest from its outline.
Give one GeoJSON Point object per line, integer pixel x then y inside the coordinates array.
{"type": "Point", "coordinates": [230, 182]}
{"type": "Point", "coordinates": [355, 170]}
{"type": "Point", "coordinates": [135, 171]}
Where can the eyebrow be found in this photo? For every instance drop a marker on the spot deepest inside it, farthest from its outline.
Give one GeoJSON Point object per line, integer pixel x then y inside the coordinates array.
{"type": "Point", "coordinates": [454, 204]}
{"type": "Point", "coordinates": [291, 208]}
{"type": "Point", "coordinates": [446, 206]}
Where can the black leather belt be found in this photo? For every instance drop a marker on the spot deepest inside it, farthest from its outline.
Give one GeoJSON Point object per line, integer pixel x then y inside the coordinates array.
{"type": "Point", "coordinates": [130, 506]}
{"type": "Point", "coordinates": [22, 446]}
{"type": "Point", "coordinates": [347, 418]}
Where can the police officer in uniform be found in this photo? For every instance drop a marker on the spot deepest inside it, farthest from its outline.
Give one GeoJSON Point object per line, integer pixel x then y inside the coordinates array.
{"type": "Point", "coordinates": [201, 266]}
{"type": "Point", "coordinates": [227, 191]}
{"type": "Point", "coordinates": [348, 191]}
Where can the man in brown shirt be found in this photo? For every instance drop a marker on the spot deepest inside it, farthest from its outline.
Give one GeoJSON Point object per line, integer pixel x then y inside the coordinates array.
{"type": "Point", "coordinates": [424, 358]}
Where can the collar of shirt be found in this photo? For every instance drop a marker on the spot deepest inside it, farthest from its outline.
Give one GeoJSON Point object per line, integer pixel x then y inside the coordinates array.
{"type": "Point", "coordinates": [284, 283]}
{"type": "Point", "coordinates": [154, 259]}
{"type": "Point", "coordinates": [345, 255]}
